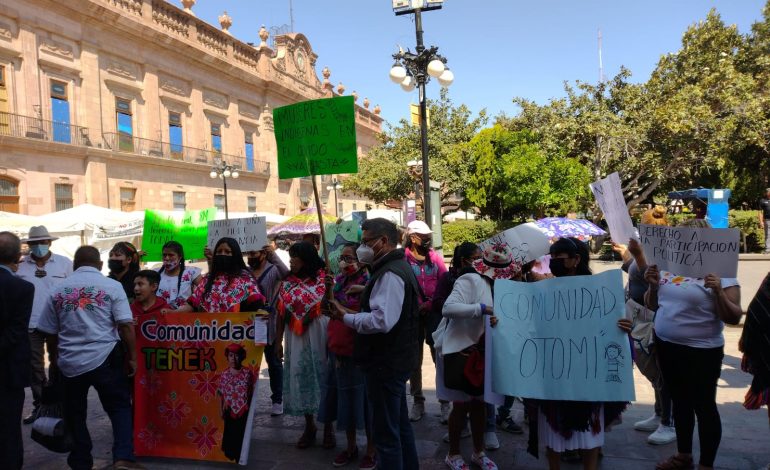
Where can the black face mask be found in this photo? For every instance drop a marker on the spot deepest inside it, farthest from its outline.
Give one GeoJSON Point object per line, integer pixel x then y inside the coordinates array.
{"type": "Point", "coordinates": [254, 263]}
{"type": "Point", "coordinates": [224, 264]}
{"type": "Point", "coordinates": [115, 265]}
{"type": "Point", "coordinates": [556, 265]}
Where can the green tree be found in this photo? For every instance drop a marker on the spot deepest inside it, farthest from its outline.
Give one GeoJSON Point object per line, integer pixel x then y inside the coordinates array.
{"type": "Point", "coordinates": [515, 177]}
{"type": "Point", "coordinates": [382, 173]}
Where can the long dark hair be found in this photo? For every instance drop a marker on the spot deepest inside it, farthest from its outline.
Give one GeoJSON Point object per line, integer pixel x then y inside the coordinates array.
{"type": "Point", "coordinates": [177, 248]}
{"type": "Point", "coordinates": [311, 262]}
{"type": "Point", "coordinates": [572, 247]}
{"type": "Point", "coordinates": [237, 254]}
{"type": "Point", "coordinates": [462, 252]}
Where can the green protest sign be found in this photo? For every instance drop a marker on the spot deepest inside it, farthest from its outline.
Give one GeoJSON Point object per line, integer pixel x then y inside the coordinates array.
{"type": "Point", "coordinates": [316, 137]}
{"type": "Point", "coordinates": [337, 235]}
{"type": "Point", "coordinates": [189, 228]}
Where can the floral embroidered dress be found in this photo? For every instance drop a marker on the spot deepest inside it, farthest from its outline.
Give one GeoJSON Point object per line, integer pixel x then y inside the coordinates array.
{"type": "Point", "coordinates": [227, 293]}
{"type": "Point", "coordinates": [174, 290]}
{"type": "Point", "coordinates": [235, 387]}
{"type": "Point", "coordinates": [304, 369]}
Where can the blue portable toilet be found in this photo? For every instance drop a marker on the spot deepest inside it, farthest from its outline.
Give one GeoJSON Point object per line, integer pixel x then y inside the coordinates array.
{"type": "Point", "coordinates": [717, 203]}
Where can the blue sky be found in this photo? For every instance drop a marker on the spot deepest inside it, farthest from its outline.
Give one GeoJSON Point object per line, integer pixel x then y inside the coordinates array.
{"type": "Point", "coordinates": [497, 49]}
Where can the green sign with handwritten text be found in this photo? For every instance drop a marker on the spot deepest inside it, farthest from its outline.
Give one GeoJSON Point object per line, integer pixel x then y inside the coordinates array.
{"type": "Point", "coordinates": [189, 228]}
{"type": "Point", "coordinates": [316, 137]}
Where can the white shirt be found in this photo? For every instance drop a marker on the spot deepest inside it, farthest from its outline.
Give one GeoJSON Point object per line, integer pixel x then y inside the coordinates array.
{"type": "Point", "coordinates": [686, 312]}
{"type": "Point", "coordinates": [464, 320]}
{"type": "Point", "coordinates": [84, 310]}
{"type": "Point", "coordinates": [385, 302]}
{"type": "Point", "coordinates": [57, 268]}
{"type": "Point", "coordinates": [167, 289]}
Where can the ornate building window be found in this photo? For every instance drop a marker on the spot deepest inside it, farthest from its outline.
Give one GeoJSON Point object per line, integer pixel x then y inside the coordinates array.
{"type": "Point", "coordinates": [60, 112]}
{"type": "Point", "coordinates": [124, 121]}
{"type": "Point", "coordinates": [251, 204]}
{"type": "Point", "coordinates": [63, 194]}
{"type": "Point", "coordinates": [175, 133]}
{"type": "Point", "coordinates": [9, 195]}
{"type": "Point", "coordinates": [180, 201]}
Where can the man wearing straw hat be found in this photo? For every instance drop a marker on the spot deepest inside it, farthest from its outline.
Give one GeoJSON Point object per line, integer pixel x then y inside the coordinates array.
{"type": "Point", "coordinates": [44, 270]}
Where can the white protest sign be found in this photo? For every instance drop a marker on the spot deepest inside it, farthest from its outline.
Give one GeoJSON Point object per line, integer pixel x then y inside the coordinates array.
{"type": "Point", "coordinates": [250, 233]}
{"type": "Point", "coordinates": [609, 196]}
{"type": "Point", "coordinates": [690, 251]}
{"type": "Point", "coordinates": [526, 242]}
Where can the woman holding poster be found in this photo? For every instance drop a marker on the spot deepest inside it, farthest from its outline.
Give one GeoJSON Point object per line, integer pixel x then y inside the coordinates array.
{"type": "Point", "coordinates": [460, 335]}
{"type": "Point", "coordinates": [691, 314]}
{"type": "Point", "coordinates": [568, 425]}
{"type": "Point", "coordinates": [305, 366]}
{"type": "Point", "coordinates": [229, 286]}
{"type": "Point", "coordinates": [236, 386]}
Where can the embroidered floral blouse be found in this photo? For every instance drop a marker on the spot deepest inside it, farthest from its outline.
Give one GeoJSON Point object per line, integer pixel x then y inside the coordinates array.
{"type": "Point", "coordinates": [167, 289]}
{"type": "Point", "coordinates": [299, 300]}
{"type": "Point", "coordinates": [235, 387]}
{"type": "Point", "coordinates": [227, 293]}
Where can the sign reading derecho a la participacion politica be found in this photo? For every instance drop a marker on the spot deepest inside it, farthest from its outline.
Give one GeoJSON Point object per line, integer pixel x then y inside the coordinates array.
{"type": "Point", "coordinates": [196, 384]}
{"type": "Point", "coordinates": [316, 137]}
{"type": "Point", "coordinates": [558, 339]}
{"type": "Point", "coordinates": [691, 251]}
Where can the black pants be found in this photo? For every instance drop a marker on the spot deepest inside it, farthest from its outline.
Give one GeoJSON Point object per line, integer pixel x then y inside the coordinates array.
{"type": "Point", "coordinates": [691, 375]}
{"type": "Point", "coordinates": [11, 450]}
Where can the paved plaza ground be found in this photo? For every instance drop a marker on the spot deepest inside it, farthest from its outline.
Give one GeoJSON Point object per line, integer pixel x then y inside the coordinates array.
{"type": "Point", "coordinates": [745, 441]}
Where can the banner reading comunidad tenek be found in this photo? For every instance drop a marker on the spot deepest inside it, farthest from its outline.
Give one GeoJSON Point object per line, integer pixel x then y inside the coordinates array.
{"type": "Point", "coordinates": [196, 385]}
{"type": "Point", "coordinates": [558, 339]}
{"type": "Point", "coordinates": [189, 228]}
{"type": "Point", "coordinates": [316, 137]}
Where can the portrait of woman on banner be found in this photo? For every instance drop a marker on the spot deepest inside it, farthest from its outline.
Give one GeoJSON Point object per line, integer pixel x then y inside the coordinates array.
{"type": "Point", "coordinates": [236, 387]}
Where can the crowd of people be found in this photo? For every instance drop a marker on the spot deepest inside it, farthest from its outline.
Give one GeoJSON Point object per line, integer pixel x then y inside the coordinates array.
{"type": "Point", "coordinates": [342, 346]}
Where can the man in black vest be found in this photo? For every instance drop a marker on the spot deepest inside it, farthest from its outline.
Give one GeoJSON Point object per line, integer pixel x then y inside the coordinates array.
{"type": "Point", "coordinates": [387, 341]}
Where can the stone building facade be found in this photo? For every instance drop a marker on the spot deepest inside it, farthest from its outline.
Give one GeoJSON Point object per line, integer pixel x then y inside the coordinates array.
{"type": "Point", "coordinates": [128, 104]}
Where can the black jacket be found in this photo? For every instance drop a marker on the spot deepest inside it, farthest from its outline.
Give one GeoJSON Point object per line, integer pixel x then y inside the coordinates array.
{"type": "Point", "coordinates": [16, 297]}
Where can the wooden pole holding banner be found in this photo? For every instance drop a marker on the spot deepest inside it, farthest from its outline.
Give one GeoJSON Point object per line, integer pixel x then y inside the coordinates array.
{"type": "Point", "coordinates": [319, 212]}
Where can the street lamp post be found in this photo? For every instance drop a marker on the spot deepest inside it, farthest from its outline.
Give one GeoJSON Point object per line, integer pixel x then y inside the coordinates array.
{"type": "Point", "coordinates": [418, 67]}
{"type": "Point", "coordinates": [224, 170]}
{"type": "Point", "coordinates": [335, 186]}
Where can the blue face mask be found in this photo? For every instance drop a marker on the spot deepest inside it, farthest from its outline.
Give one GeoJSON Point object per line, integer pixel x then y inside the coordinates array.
{"type": "Point", "coordinates": [39, 251]}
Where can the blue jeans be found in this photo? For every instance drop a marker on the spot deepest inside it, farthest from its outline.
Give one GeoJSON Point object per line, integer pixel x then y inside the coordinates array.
{"type": "Point", "coordinates": [391, 430]}
{"type": "Point", "coordinates": [113, 387]}
{"type": "Point", "coordinates": [275, 371]}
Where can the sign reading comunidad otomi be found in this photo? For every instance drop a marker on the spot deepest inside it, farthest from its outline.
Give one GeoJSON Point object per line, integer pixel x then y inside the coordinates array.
{"type": "Point", "coordinates": [316, 137]}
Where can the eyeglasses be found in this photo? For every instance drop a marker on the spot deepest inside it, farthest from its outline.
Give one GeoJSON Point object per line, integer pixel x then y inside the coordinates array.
{"type": "Point", "coordinates": [365, 241]}
{"type": "Point", "coordinates": [348, 259]}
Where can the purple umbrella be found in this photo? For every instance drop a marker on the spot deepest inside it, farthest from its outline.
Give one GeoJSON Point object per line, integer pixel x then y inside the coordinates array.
{"type": "Point", "coordinates": [557, 227]}
{"type": "Point", "coordinates": [304, 222]}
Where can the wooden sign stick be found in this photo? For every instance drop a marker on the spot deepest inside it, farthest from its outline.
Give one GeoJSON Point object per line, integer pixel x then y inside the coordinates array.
{"type": "Point", "coordinates": [319, 212]}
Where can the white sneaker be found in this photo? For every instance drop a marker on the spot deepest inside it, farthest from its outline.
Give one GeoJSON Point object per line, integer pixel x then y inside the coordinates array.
{"type": "Point", "coordinates": [277, 409]}
{"type": "Point", "coordinates": [456, 462]}
{"type": "Point", "coordinates": [466, 432]}
{"type": "Point", "coordinates": [483, 461]}
{"type": "Point", "coordinates": [446, 408]}
{"type": "Point", "coordinates": [663, 435]}
{"type": "Point", "coordinates": [418, 409]}
{"type": "Point", "coordinates": [490, 441]}
{"type": "Point", "coordinates": [648, 425]}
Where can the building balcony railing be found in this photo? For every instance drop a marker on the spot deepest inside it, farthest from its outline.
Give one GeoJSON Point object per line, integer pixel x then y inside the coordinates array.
{"type": "Point", "coordinates": [120, 142]}
{"type": "Point", "coordinates": [35, 128]}
{"type": "Point", "coordinates": [28, 127]}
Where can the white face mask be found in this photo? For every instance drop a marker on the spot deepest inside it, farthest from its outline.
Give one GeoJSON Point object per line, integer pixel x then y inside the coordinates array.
{"type": "Point", "coordinates": [365, 254]}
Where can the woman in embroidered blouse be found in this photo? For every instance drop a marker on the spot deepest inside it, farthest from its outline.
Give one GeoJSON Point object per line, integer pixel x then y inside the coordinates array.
{"type": "Point", "coordinates": [177, 281]}
{"type": "Point", "coordinates": [236, 385]}
{"type": "Point", "coordinates": [299, 306]}
{"type": "Point", "coordinates": [229, 286]}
